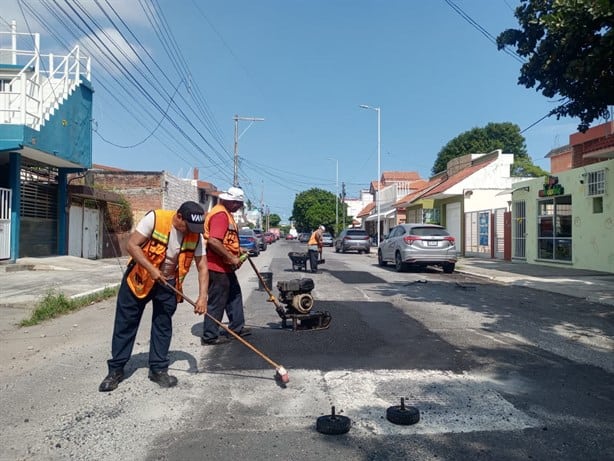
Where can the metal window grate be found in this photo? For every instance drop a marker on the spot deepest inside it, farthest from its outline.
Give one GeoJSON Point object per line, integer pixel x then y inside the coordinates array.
{"type": "Point", "coordinates": [595, 183]}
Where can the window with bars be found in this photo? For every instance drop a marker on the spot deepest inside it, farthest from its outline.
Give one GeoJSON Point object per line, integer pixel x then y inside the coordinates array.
{"type": "Point", "coordinates": [595, 183]}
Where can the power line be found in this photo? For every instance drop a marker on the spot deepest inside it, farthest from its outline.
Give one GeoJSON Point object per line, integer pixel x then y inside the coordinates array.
{"type": "Point", "coordinates": [482, 30]}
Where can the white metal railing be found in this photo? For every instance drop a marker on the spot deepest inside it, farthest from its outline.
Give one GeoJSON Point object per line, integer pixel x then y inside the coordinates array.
{"type": "Point", "coordinates": [33, 84]}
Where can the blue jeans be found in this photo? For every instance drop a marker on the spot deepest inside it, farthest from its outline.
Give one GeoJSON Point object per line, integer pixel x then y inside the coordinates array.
{"type": "Point", "coordinates": [224, 295]}
{"type": "Point", "coordinates": [128, 313]}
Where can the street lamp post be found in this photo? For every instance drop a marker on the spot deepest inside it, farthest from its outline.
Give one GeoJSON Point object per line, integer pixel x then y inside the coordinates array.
{"type": "Point", "coordinates": [336, 194]}
{"type": "Point", "coordinates": [236, 118]}
{"type": "Point", "coordinates": [377, 196]}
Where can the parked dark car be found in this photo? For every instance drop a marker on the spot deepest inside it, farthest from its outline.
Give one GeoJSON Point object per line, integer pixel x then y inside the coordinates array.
{"type": "Point", "coordinates": [303, 237]}
{"type": "Point", "coordinates": [353, 239]}
{"type": "Point", "coordinates": [261, 242]}
{"type": "Point", "coordinates": [420, 245]}
{"type": "Point", "coordinates": [249, 241]}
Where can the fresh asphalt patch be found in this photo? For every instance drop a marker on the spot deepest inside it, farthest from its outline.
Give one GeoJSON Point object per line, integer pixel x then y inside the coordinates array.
{"type": "Point", "coordinates": [364, 335]}
{"type": "Point", "coordinates": [352, 277]}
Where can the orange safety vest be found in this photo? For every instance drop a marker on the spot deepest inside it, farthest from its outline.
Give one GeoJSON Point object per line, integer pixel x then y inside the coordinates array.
{"type": "Point", "coordinates": [231, 237]}
{"type": "Point", "coordinates": [313, 240]}
{"type": "Point", "coordinates": [138, 279]}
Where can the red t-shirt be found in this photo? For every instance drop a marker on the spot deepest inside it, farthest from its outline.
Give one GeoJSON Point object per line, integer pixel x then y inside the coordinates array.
{"type": "Point", "coordinates": [218, 225]}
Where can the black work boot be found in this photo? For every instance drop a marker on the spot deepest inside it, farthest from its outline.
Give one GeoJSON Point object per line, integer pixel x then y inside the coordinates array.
{"type": "Point", "coordinates": [162, 378]}
{"type": "Point", "coordinates": [112, 380]}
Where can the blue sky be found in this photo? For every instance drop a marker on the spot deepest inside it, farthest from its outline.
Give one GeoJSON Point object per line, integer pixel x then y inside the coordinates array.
{"type": "Point", "coordinates": [305, 67]}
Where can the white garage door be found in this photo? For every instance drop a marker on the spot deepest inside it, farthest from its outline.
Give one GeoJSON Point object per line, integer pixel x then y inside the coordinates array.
{"type": "Point", "coordinates": [453, 222]}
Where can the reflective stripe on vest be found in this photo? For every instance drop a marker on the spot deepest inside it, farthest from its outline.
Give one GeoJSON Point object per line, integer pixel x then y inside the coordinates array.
{"type": "Point", "coordinates": [138, 279]}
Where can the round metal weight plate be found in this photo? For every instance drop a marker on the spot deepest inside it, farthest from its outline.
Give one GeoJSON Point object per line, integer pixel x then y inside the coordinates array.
{"type": "Point", "coordinates": [333, 424]}
{"type": "Point", "coordinates": [403, 415]}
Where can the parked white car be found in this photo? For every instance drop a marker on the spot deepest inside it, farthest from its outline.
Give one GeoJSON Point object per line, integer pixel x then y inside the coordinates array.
{"type": "Point", "coordinates": [420, 245]}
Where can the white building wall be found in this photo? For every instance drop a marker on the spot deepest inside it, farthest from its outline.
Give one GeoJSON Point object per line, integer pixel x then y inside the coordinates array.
{"type": "Point", "coordinates": [486, 199]}
{"type": "Point", "coordinates": [177, 191]}
{"type": "Point", "coordinates": [356, 205]}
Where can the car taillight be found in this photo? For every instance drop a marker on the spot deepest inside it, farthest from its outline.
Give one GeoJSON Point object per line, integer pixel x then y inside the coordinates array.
{"type": "Point", "coordinates": [252, 239]}
{"type": "Point", "coordinates": [409, 239]}
{"type": "Point", "coordinates": [450, 239]}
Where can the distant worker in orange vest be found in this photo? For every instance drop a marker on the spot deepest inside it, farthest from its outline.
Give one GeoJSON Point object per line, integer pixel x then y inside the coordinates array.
{"type": "Point", "coordinates": [162, 248]}
{"type": "Point", "coordinates": [314, 248]}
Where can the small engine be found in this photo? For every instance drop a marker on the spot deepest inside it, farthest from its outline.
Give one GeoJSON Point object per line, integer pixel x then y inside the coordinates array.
{"type": "Point", "coordinates": [296, 294]}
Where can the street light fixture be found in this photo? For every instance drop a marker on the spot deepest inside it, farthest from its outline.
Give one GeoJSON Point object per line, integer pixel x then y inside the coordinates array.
{"type": "Point", "coordinates": [336, 194]}
{"type": "Point", "coordinates": [236, 118]}
{"type": "Point", "coordinates": [377, 196]}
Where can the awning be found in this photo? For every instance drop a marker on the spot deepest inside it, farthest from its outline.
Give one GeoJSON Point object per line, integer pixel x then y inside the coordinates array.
{"type": "Point", "coordinates": [504, 192]}
{"type": "Point", "coordinates": [382, 215]}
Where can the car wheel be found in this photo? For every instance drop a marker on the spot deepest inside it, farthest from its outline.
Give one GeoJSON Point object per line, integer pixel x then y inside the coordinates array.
{"type": "Point", "coordinates": [448, 268]}
{"type": "Point", "coordinates": [336, 249]}
{"type": "Point", "coordinates": [380, 259]}
{"type": "Point", "coordinates": [398, 262]}
{"type": "Point", "coordinates": [367, 251]}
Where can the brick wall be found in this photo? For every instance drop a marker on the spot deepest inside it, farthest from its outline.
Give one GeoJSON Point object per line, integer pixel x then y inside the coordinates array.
{"type": "Point", "coordinates": [597, 138]}
{"type": "Point", "coordinates": [142, 190]}
{"type": "Point", "coordinates": [561, 162]}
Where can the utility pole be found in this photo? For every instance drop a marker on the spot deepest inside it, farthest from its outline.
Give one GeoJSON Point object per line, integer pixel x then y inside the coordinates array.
{"type": "Point", "coordinates": [236, 118]}
{"type": "Point", "coordinates": [343, 202]}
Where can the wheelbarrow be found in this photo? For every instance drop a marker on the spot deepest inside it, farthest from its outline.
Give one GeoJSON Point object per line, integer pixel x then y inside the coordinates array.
{"type": "Point", "coordinates": [299, 260]}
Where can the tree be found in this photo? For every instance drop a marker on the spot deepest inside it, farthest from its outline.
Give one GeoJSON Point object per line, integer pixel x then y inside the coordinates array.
{"type": "Point", "coordinates": [505, 136]}
{"type": "Point", "coordinates": [569, 45]}
{"type": "Point", "coordinates": [312, 208]}
{"type": "Point", "coordinates": [274, 220]}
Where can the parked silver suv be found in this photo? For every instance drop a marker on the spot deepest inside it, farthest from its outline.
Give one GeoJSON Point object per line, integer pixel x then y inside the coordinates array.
{"type": "Point", "coordinates": [418, 244]}
{"type": "Point", "coordinates": [353, 239]}
{"type": "Point", "coordinates": [261, 242]}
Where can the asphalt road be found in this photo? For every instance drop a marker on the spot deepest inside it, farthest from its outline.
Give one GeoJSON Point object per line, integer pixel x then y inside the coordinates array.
{"type": "Point", "coordinates": [498, 373]}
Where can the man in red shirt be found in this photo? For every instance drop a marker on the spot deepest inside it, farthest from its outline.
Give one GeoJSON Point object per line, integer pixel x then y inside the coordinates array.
{"type": "Point", "coordinates": [223, 259]}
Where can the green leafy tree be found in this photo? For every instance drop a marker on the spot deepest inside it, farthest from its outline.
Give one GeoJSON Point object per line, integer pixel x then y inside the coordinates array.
{"type": "Point", "coordinates": [569, 46]}
{"type": "Point", "coordinates": [312, 208]}
{"type": "Point", "coordinates": [505, 136]}
{"type": "Point", "coordinates": [274, 220]}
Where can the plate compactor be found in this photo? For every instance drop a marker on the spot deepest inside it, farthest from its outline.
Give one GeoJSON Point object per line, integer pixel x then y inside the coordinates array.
{"type": "Point", "coordinates": [296, 295]}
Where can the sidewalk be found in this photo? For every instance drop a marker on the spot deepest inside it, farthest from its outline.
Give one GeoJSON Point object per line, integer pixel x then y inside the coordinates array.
{"type": "Point", "coordinates": [25, 283]}
{"type": "Point", "coordinates": [593, 286]}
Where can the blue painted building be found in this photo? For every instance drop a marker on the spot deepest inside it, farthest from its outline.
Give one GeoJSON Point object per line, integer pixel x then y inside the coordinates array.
{"type": "Point", "coordinates": [45, 135]}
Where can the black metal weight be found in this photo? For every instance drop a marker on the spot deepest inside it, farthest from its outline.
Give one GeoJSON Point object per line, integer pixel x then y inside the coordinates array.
{"type": "Point", "coordinates": [333, 424]}
{"type": "Point", "coordinates": [400, 414]}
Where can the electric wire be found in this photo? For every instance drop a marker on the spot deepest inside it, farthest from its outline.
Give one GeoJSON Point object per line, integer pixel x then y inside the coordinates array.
{"type": "Point", "coordinates": [113, 60]}
{"type": "Point", "coordinates": [100, 79]}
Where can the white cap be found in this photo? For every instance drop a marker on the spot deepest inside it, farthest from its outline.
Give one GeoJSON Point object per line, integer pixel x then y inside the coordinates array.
{"type": "Point", "coordinates": [234, 194]}
{"type": "Point", "coordinates": [322, 228]}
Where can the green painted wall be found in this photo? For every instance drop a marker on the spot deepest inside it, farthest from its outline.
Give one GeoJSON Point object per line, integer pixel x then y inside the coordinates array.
{"type": "Point", "coordinates": [592, 232]}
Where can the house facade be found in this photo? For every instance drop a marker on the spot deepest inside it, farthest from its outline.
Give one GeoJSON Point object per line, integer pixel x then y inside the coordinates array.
{"type": "Point", "coordinates": [391, 186]}
{"type": "Point", "coordinates": [144, 191]}
{"type": "Point", "coordinates": [45, 135]}
{"type": "Point", "coordinates": [568, 217]}
{"type": "Point", "coordinates": [471, 199]}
